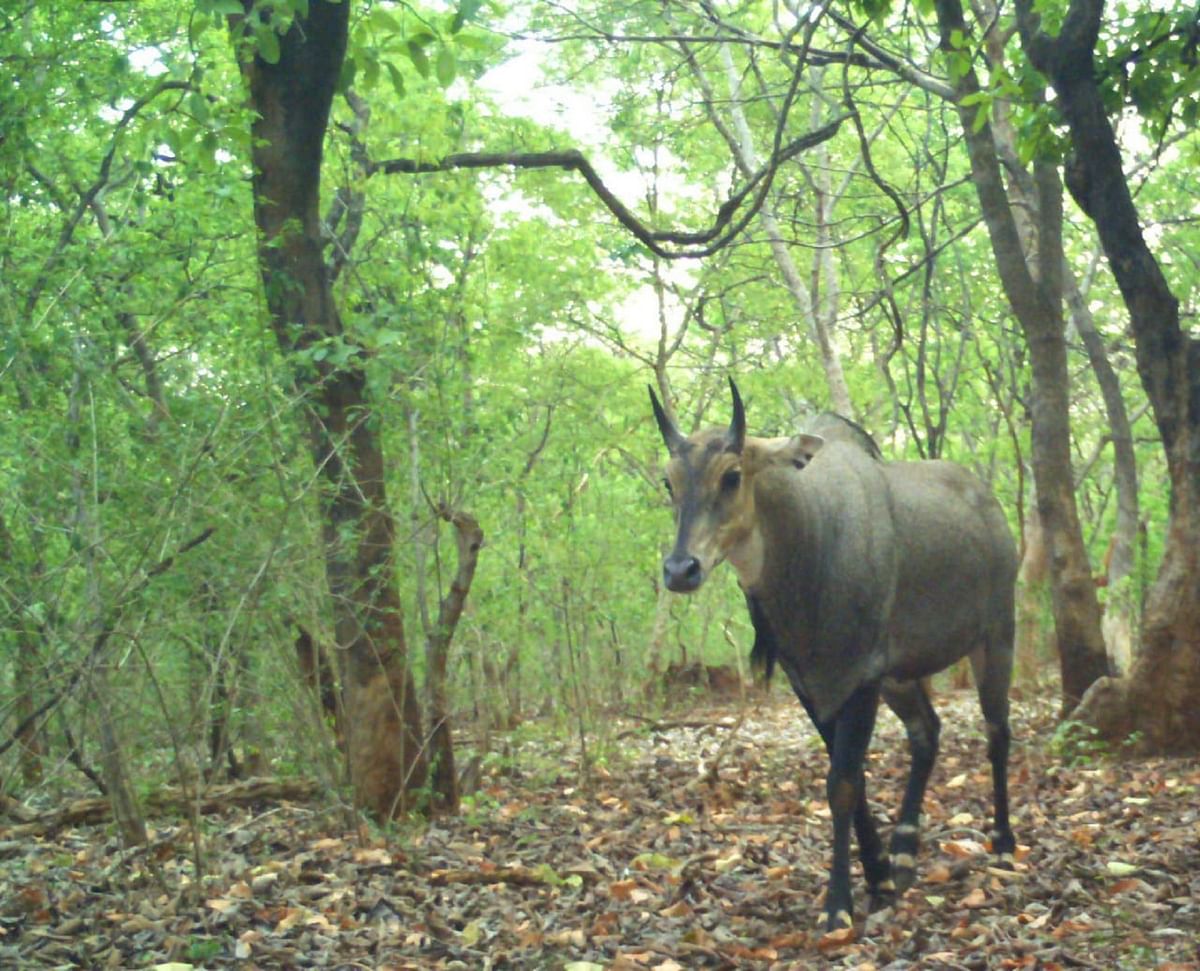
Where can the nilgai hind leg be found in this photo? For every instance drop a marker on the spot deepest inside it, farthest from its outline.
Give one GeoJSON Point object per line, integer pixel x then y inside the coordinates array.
{"type": "Point", "coordinates": [910, 702]}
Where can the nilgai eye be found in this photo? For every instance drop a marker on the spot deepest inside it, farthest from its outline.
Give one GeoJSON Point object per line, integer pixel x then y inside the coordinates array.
{"type": "Point", "coordinates": [731, 480]}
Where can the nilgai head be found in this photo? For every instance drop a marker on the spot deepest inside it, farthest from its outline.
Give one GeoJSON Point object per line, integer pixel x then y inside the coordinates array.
{"type": "Point", "coordinates": [710, 478]}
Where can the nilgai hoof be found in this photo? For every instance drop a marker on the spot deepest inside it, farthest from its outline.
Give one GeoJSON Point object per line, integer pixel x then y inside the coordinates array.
{"type": "Point", "coordinates": [882, 894]}
{"type": "Point", "coordinates": [904, 871]}
{"type": "Point", "coordinates": [839, 920]}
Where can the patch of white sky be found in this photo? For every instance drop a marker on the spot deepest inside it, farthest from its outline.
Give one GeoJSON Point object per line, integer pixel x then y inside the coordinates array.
{"type": "Point", "coordinates": [523, 87]}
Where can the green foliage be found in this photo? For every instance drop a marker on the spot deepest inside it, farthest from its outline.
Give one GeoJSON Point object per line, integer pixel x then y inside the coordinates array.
{"type": "Point", "coordinates": [506, 327]}
{"type": "Point", "coordinates": [1080, 745]}
{"type": "Point", "coordinates": [1077, 744]}
{"type": "Point", "coordinates": [1147, 60]}
{"type": "Point", "coordinates": [204, 949]}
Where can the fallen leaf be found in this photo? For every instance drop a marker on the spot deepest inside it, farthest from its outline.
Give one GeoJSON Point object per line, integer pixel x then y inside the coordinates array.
{"type": "Point", "coordinates": [963, 849]}
{"type": "Point", "coordinates": [835, 939]}
{"type": "Point", "coordinates": [679, 909]}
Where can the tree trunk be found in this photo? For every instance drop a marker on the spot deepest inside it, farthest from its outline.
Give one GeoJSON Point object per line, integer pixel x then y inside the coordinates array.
{"type": "Point", "coordinates": [1031, 587]}
{"type": "Point", "coordinates": [468, 539]}
{"type": "Point", "coordinates": [1158, 700]}
{"type": "Point", "coordinates": [1119, 612]}
{"type": "Point", "coordinates": [817, 319]}
{"type": "Point", "coordinates": [1037, 304]}
{"type": "Point", "coordinates": [1117, 624]}
{"type": "Point", "coordinates": [291, 99]}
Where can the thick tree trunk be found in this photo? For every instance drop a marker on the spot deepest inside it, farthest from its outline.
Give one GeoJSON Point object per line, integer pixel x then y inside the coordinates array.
{"type": "Point", "coordinates": [1117, 625]}
{"type": "Point", "coordinates": [1158, 700]}
{"type": "Point", "coordinates": [291, 100]}
{"type": "Point", "coordinates": [1037, 305]}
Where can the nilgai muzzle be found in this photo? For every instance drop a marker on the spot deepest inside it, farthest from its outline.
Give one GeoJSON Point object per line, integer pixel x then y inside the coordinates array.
{"type": "Point", "coordinates": [862, 577]}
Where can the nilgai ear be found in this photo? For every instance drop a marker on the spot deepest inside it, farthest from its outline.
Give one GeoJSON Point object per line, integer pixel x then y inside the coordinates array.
{"type": "Point", "coordinates": [800, 449]}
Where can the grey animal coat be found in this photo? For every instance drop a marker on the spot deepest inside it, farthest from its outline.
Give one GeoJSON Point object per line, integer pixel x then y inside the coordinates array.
{"type": "Point", "coordinates": [877, 570]}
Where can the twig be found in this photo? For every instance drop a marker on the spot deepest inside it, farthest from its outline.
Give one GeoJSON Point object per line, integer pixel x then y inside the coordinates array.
{"type": "Point", "coordinates": [101, 639]}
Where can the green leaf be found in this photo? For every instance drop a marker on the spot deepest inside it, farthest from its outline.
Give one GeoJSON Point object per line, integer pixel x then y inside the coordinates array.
{"type": "Point", "coordinates": [546, 874]}
{"type": "Point", "coordinates": [198, 105]}
{"type": "Point", "coordinates": [983, 110]}
{"type": "Point", "coordinates": [467, 9]}
{"type": "Point", "coordinates": [654, 861]}
{"type": "Point", "coordinates": [397, 79]}
{"type": "Point", "coordinates": [210, 143]}
{"type": "Point", "coordinates": [446, 66]}
{"type": "Point", "coordinates": [370, 70]}
{"type": "Point", "coordinates": [222, 8]}
{"type": "Point", "coordinates": [199, 24]}
{"type": "Point", "coordinates": [384, 20]}
{"type": "Point", "coordinates": [416, 54]}
{"type": "Point", "coordinates": [346, 78]}
{"type": "Point", "coordinates": [268, 46]}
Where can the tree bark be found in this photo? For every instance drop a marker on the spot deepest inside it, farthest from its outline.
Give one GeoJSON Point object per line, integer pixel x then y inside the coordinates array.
{"type": "Point", "coordinates": [291, 100]}
{"type": "Point", "coordinates": [468, 538]}
{"type": "Point", "coordinates": [1119, 609]}
{"type": "Point", "coordinates": [1117, 623]}
{"type": "Point", "coordinates": [1032, 578]}
{"type": "Point", "coordinates": [1158, 700]}
{"type": "Point", "coordinates": [1037, 304]}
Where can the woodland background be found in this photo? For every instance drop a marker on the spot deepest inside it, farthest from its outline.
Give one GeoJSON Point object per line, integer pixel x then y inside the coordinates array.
{"type": "Point", "coordinates": [361, 487]}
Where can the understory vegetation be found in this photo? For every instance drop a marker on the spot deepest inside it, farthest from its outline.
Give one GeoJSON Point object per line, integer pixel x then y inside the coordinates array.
{"type": "Point", "coordinates": [332, 624]}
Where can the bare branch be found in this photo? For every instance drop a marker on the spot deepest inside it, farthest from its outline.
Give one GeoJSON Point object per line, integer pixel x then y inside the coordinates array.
{"type": "Point", "coordinates": [692, 244]}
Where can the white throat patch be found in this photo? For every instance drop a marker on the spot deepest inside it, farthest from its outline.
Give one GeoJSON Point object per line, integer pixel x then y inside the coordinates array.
{"type": "Point", "coordinates": [747, 558]}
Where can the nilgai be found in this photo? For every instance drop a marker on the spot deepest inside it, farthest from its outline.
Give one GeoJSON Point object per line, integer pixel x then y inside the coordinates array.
{"type": "Point", "coordinates": [862, 577]}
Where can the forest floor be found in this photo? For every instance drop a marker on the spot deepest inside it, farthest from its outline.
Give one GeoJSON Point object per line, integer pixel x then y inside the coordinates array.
{"type": "Point", "coordinates": [648, 867]}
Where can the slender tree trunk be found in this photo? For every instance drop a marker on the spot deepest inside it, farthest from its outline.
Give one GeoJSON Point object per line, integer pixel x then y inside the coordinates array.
{"type": "Point", "coordinates": [1119, 609]}
{"type": "Point", "coordinates": [291, 100]}
{"type": "Point", "coordinates": [1037, 304]}
{"type": "Point", "coordinates": [1158, 699]}
{"type": "Point", "coordinates": [817, 323]}
{"type": "Point", "coordinates": [30, 739]}
{"type": "Point", "coordinates": [468, 538]}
